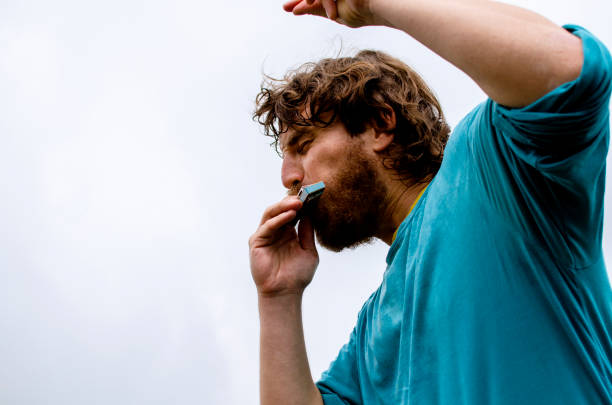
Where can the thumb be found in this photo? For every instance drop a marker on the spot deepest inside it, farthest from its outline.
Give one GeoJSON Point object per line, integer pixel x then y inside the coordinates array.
{"type": "Point", "coordinates": [306, 234]}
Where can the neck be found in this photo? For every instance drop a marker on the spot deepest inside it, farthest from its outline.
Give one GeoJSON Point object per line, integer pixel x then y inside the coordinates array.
{"type": "Point", "coordinates": [401, 199]}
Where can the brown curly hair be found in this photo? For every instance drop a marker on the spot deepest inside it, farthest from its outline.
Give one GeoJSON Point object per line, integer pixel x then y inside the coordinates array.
{"type": "Point", "coordinates": [360, 91]}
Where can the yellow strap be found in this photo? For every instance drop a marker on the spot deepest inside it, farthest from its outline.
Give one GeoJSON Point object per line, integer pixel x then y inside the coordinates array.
{"type": "Point", "coordinates": [410, 210]}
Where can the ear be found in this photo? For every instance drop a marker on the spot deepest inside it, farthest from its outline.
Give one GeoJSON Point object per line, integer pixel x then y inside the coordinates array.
{"type": "Point", "coordinates": [384, 129]}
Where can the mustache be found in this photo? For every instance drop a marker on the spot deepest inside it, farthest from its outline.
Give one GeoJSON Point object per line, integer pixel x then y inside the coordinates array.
{"type": "Point", "coordinates": [294, 189]}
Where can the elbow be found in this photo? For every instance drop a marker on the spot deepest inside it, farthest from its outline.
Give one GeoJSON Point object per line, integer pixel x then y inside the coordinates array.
{"type": "Point", "coordinates": [561, 63]}
{"type": "Point", "coordinates": [569, 60]}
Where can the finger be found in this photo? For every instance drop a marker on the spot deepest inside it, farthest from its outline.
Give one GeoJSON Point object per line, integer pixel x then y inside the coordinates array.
{"type": "Point", "coordinates": [269, 230]}
{"type": "Point", "coordinates": [287, 203]}
{"type": "Point", "coordinates": [315, 8]}
{"type": "Point", "coordinates": [288, 6]}
{"type": "Point", "coordinates": [331, 10]}
{"type": "Point", "coordinates": [306, 234]}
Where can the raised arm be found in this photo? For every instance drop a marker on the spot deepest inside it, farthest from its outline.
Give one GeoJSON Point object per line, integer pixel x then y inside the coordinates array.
{"type": "Point", "coordinates": [516, 56]}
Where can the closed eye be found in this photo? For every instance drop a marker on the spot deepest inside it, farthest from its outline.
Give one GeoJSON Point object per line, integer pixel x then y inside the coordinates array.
{"type": "Point", "coordinates": [302, 147]}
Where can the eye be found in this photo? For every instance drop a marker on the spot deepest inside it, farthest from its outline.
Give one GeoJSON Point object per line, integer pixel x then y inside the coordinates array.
{"type": "Point", "coordinates": [302, 147]}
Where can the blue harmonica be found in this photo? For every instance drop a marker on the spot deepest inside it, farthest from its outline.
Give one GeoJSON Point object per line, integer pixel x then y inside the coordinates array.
{"type": "Point", "coordinates": [310, 192]}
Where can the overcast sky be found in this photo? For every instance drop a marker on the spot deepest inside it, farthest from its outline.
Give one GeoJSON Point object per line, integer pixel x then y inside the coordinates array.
{"type": "Point", "coordinates": [131, 176]}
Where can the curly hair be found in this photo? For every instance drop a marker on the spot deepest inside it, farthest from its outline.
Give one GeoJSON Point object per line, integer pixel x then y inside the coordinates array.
{"type": "Point", "coordinates": [360, 91]}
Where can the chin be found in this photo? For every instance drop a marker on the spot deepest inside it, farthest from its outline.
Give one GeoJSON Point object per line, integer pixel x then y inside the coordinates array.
{"type": "Point", "coordinates": [339, 247]}
{"type": "Point", "coordinates": [341, 237]}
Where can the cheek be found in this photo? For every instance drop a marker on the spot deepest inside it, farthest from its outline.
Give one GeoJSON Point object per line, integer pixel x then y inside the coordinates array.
{"type": "Point", "coordinates": [324, 163]}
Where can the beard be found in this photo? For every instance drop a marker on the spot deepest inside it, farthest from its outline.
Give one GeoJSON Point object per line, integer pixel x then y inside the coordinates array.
{"type": "Point", "coordinates": [348, 213]}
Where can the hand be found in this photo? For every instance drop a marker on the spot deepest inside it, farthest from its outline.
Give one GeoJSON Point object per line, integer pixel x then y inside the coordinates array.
{"type": "Point", "coordinates": [352, 13]}
{"type": "Point", "coordinates": [283, 261]}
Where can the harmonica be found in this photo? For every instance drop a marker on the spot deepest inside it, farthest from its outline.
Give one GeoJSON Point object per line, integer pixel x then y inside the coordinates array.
{"type": "Point", "coordinates": [306, 195]}
{"type": "Point", "coordinates": [311, 192]}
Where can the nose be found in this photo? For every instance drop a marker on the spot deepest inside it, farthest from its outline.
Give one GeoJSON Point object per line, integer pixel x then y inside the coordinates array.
{"type": "Point", "coordinates": [292, 173]}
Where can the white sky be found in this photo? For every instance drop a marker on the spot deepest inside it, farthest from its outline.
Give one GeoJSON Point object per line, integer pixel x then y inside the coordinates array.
{"type": "Point", "coordinates": [131, 177]}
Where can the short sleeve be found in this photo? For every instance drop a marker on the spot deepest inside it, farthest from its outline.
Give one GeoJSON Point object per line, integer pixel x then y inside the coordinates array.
{"type": "Point", "coordinates": [543, 166]}
{"type": "Point", "coordinates": [339, 385]}
{"type": "Point", "coordinates": [568, 124]}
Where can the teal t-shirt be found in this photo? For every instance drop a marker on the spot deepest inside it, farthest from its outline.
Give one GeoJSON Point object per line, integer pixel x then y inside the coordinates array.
{"type": "Point", "coordinates": [496, 290]}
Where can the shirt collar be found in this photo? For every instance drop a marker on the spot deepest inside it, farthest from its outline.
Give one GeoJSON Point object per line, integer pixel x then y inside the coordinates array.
{"type": "Point", "coordinates": [416, 200]}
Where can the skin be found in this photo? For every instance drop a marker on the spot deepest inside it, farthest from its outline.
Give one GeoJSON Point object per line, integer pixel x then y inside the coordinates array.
{"type": "Point", "coordinates": [514, 55]}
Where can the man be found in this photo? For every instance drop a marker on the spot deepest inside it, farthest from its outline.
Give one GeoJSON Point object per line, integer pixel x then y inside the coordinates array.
{"type": "Point", "coordinates": [495, 290]}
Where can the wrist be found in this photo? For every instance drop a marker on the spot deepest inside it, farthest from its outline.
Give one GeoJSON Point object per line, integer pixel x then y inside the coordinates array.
{"type": "Point", "coordinates": [280, 310]}
{"type": "Point", "coordinates": [283, 297]}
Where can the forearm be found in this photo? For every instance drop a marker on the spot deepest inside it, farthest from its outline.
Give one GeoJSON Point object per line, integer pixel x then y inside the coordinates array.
{"type": "Point", "coordinates": [514, 55]}
{"type": "Point", "coordinates": [285, 376]}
